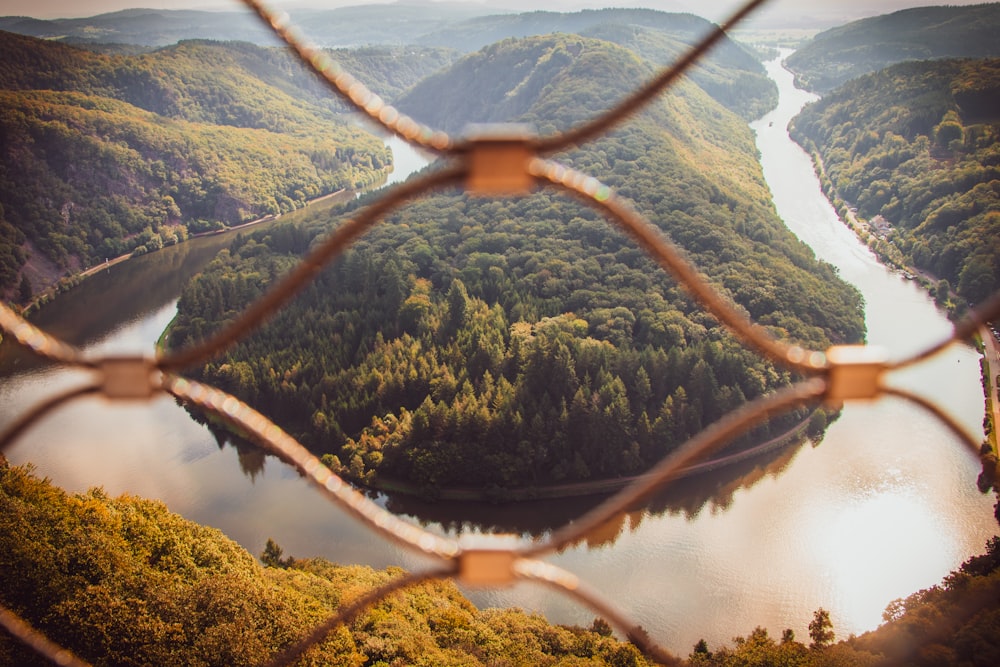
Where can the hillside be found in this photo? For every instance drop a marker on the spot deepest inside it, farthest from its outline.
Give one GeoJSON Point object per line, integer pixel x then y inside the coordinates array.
{"type": "Point", "coordinates": [919, 145]}
{"type": "Point", "coordinates": [731, 76]}
{"type": "Point", "coordinates": [105, 154]}
{"type": "Point", "coordinates": [123, 581]}
{"type": "Point", "coordinates": [730, 73]}
{"type": "Point", "coordinates": [214, 82]}
{"type": "Point", "coordinates": [837, 55]}
{"type": "Point", "coordinates": [521, 342]}
{"type": "Point", "coordinates": [354, 26]}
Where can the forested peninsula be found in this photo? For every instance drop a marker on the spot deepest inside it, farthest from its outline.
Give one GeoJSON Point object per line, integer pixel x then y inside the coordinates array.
{"type": "Point", "coordinates": [514, 343]}
{"type": "Point", "coordinates": [915, 149]}
{"type": "Point", "coordinates": [105, 154]}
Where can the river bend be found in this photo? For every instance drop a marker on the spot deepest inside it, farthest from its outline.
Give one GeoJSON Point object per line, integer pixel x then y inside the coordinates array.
{"type": "Point", "coordinates": [886, 505]}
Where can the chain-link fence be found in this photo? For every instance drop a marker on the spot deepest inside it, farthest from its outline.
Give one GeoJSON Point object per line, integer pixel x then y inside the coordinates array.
{"type": "Point", "coordinates": [505, 162]}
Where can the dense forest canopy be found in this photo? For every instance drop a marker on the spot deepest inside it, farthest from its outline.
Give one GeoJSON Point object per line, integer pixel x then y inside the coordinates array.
{"type": "Point", "coordinates": [520, 342]}
{"type": "Point", "coordinates": [123, 581]}
{"type": "Point", "coordinates": [105, 154]}
{"type": "Point", "coordinates": [846, 52]}
{"type": "Point", "coordinates": [178, 170]}
{"type": "Point", "coordinates": [919, 145]}
{"type": "Point", "coordinates": [730, 72]}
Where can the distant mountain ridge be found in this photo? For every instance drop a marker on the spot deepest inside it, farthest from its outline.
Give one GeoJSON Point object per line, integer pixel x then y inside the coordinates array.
{"type": "Point", "coordinates": [731, 73]}
{"type": "Point", "coordinates": [399, 23]}
{"type": "Point", "coordinates": [475, 33]}
{"type": "Point", "coordinates": [837, 55]}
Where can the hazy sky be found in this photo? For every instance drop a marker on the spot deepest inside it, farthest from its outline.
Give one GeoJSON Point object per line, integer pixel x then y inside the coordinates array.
{"type": "Point", "coordinates": [712, 9]}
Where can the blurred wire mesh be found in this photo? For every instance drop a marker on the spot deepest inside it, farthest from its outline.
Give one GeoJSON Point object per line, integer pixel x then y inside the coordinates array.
{"type": "Point", "coordinates": [501, 161]}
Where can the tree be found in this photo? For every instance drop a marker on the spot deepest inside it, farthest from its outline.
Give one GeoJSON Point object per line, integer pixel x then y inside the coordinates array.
{"type": "Point", "coordinates": [272, 555]}
{"type": "Point", "coordinates": [25, 292]}
{"type": "Point", "coordinates": [949, 130]}
{"type": "Point", "coordinates": [942, 291]}
{"type": "Point", "coordinates": [821, 629]}
{"type": "Point", "coordinates": [458, 306]}
{"type": "Point", "coordinates": [601, 627]}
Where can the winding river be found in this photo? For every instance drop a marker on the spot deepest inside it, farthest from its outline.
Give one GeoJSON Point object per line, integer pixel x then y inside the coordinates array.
{"type": "Point", "coordinates": [884, 506]}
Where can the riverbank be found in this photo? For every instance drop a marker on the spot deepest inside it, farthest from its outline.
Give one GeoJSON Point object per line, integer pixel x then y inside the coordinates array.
{"type": "Point", "coordinates": [952, 304]}
{"type": "Point", "coordinates": [848, 216]}
{"type": "Point", "coordinates": [883, 248]}
{"type": "Point", "coordinates": [795, 435]}
{"type": "Point", "coordinates": [67, 283]}
{"type": "Point", "coordinates": [991, 388]}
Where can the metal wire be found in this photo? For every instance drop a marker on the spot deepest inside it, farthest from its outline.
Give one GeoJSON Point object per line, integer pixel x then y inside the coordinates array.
{"type": "Point", "coordinates": [967, 438]}
{"type": "Point", "coordinates": [29, 636]}
{"type": "Point", "coordinates": [36, 340]}
{"type": "Point", "coordinates": [39, 410]}
{"type": "Point", "coordinates": [569, 584]}
{"type": "Point", "coordinates": [840, 373]}
{"type": "Point", "coordinates": [289, 450]}
{"type": "Point", "coordinates": [967, 327]}
{"type": "Point", "coordinates": [352, 90]}
{"type": "Point", "coordinates": [648, 92]}
{"type": "Point", "coordinates": [730, 425]}
{"type": "Point", "coordinates": [603, 198]}
{"type": "Point", "coordinates": [305, 271]}
{"type": "Point", "coordinates": [349, 612]}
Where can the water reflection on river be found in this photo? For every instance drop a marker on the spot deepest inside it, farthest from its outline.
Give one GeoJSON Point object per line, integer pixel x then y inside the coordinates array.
{"type": "Point", "coordinates": [886, 505]}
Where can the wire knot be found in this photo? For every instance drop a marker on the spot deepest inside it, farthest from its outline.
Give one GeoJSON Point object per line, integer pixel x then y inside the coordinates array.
{"type": "Point", "coordinates": [488, 560]}
{"type": "Point", "coordinates": [854, 372]}
{"type": "Point", "coordinates": [498, 157]}
{"type": "Point", "coordinates": [135, 378]}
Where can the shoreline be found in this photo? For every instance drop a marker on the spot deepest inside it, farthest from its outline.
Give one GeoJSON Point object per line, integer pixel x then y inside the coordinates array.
{"type": "Point", "coordinates": [862, 231]}
{"type": "Point", "coordinates": [588, 488]}
{"type": "Point", "coordinates": [990, 373]}
{"type": "Point", "coordinates": [983, 340]}
{"type": "Point", "coordinates": [67, 283]}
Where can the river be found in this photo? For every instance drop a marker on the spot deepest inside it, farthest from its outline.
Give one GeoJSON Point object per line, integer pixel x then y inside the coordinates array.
{"type": "Point", "coordinates": [884, 506]}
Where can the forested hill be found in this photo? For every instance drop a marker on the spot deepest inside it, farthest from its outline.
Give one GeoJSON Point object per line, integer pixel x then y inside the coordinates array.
{"type": "Point", "coordinates": [521, 342]}
{"type": "Point", "coordinates": [123, 581]}
{"type": "Point", "coordinates": [211, 81]}
{"type": "Point", "coordinates": [919, 145]}
{"type": "Point", "coordinates": [730, 72]}
{"type": "Point", "coordinates": [391, 24]}
{"type": "Point", "coordinates": [101, 155]}
{"type": "Point", "coordinates": [837, 55]}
